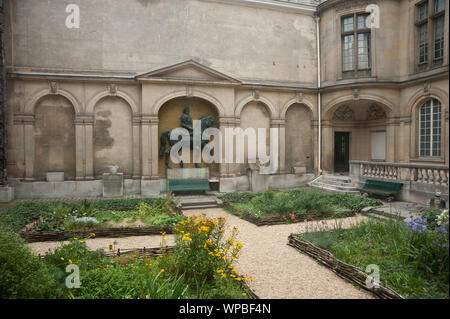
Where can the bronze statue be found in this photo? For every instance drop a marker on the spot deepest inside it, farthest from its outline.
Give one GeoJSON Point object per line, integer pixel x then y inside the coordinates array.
{"type": "Point", "coordinates": [186, 123]}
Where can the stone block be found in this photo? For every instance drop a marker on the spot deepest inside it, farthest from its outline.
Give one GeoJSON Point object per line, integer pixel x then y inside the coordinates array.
{"type": "Point", "coordinates": [151, 187]}
{"type": "Point", "coordinates": [186, 173]}
{"type": "Point", "coordinates": [112, 185]}
{"type": "Point", "coordinates": [55, 177]}
{"type": "Point", "coordinates": [6, 194]}
{"type": "Point", "coordinates": [299, 169]}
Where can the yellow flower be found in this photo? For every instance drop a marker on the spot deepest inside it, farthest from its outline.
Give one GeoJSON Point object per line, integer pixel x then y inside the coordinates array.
{"type": "Point", "coordinates": [70, 261]}
{"type": "Point", "coordinates": [62, 258]}
{"type": "Point", "coordinates": [244, 294]}
{"type": "Point", "coordinates": [162, 270]}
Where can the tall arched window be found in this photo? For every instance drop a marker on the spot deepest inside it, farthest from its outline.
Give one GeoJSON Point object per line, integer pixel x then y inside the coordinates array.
{"type": "Point", "coordinates": [430, 128]}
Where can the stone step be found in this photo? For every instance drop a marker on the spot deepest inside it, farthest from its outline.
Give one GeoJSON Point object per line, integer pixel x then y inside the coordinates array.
{"type": "Point", "coordinates": [199, 202]}
{"type": "Point", "coordinates": [336, 179]}
{"type": "Point", "coordinates": [199, 207]}
{"type": "Point", "coordinates": [340, 187]}
{"type": "Point", "coordinates": [332, 189]}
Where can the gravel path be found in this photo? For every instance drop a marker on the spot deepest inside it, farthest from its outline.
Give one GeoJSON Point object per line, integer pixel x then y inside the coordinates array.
{"type": "Point", "coordinates": [278, 270]}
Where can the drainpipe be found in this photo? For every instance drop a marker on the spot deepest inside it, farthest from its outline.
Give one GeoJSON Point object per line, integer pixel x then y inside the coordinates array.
{"type": "Point", "coordinates": [319, 97]}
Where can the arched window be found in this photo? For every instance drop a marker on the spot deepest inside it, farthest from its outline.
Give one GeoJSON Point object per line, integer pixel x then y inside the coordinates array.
{"type": "Point", "coordinates": [430, 128]}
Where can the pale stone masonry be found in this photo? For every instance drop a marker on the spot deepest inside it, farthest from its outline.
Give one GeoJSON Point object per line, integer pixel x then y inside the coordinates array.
{"type": "Point", "coordinates": [81, 99]}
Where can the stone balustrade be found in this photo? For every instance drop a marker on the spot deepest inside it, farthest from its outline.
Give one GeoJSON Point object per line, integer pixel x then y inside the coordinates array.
{"type": "Point", "coordinates": [420, 181]}
{"type": "Point", "coordinates": [420, 173]}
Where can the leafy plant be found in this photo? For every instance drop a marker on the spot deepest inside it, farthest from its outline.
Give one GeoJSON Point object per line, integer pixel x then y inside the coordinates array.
{"type": "Point", "coordinates": [23, 275]}
{"type": "Point", "coordinates": [412, 260]}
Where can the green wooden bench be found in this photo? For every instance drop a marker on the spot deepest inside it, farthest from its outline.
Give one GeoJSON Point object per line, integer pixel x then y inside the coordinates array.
{"type": "Point", "coordinates": [189, 184]}
{"type": "Point", "coordinates": [382, 188]}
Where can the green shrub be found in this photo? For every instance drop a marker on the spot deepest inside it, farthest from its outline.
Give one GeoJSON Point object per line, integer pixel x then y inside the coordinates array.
{"type": "Point", "coordinates": [22, 274]}
{"type": "Point", "coordinates": [237, 197]}
{"type": "Point", "coordinates": [413, 262]}
{"type": "Point", "coordinates": [354, 202]}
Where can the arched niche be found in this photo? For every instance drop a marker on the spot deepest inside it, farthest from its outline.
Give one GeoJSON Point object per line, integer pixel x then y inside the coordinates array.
{"type": "Point", "coordinates": [299, 137]}
{"type": "Point", "coordinates": [169, 118]}
{"type": "Point", "coordinates": [256, 115]}
{"type": "Point", "coordinates": [113, 136]}
{"type": "Point", "coordinates": [54, 137]}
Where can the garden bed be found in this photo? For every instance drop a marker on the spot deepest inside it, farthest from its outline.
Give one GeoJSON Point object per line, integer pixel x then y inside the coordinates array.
{"type": "Point", "coordinates": [412, 257]}
{"type": "Point", "coordinates": [272, 208]}
{"type": "Point", "coordinates": [277, 219]}
{"type": "Point", "coordinates": [201, 265]}
{"type": "Point", "coordinates": [52, 221]}
{"type": "Point", "coordinates": [340, 268]}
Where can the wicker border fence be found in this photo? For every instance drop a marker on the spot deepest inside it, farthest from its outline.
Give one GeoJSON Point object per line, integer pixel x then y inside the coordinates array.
{"type": "Point", "coordinates": [340, 268]}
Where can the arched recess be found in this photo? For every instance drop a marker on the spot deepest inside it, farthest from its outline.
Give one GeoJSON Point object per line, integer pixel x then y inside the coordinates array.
{"type": "Point", "coordinates": [31, 104]}
{"type": "Point", "coordinates": [415, 103]}
{"type": "Point", "coordinates": [331, 107]}
{"type": "Point", "coordinates": [261, 100]}
{"type": "Point", "coordinates": [54, 137]}
{"type": "Point", "coordinates": [93, 102]}
{"type": "Point", "coordinates": [169, 118]}
{"type": "Point", "coordinates": [193, 94]}
{"type": "Point", "coordinates": [255, 115]}
{"type": "Point", "coordinates": [113, 136]}
{"type": "Point", "coordinates": [304, 101]}
{"type": "Point", "coordinates": [357, 129]}
{"type": "Point", "coordinates": [299, 137]}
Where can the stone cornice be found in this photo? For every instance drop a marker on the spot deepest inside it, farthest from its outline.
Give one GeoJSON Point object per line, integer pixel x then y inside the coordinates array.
{"type": "Point", "coordinates": [308, 7]}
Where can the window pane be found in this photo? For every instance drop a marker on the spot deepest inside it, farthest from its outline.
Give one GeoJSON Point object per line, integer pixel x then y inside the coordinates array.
{"type": "Point", "coordinates": [347, 24]}
{"type": "Point", "coordinates": [438, 40]}
{"type": "Point", "coordinates": [423, 43]}
{"type": "Point", "coordinates": [348, 52]}
{"type": "Point", "coordinates": [439, 5]}
{"type": "Point", "coordinates": [430, 130]}
{"type": "Point", "coordinates": [363, 50]}
{"type": "Point", "coordinates": [361, 21]}
{"type": "Point", "coordinates": [422, 11]}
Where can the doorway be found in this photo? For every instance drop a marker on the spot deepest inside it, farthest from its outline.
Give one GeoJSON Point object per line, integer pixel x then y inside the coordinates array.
{"type": "Point", "coordinates": [341, 151]}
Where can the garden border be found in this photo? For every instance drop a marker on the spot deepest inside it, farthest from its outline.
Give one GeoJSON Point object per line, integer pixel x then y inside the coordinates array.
{"type": "Point", "coordinates": [279, 220]}
{"type": "Point", "coordinates": [155, 252]}
{"type": "Point", "coordinates": [340, 268]}
{"type": "Point", "coordinates": [33, 236]}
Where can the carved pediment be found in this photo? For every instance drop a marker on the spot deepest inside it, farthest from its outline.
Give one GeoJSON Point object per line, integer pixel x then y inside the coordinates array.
{"type": "Point", "coordinates": [188, 71]}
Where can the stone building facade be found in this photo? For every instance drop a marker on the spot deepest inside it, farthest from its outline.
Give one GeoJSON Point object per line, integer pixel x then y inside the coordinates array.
{"type": "Point", "coordinates": [341, 94]}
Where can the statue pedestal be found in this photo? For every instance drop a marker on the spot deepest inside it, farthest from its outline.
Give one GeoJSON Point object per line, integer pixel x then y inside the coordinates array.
{"type": "Point", "coordinates": [112, 185]}
{"type": "Point", "coordinates": [188, 173]}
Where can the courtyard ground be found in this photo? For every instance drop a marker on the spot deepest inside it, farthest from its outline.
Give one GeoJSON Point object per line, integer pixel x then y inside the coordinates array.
{"type": "Point", "coordinates": [277, 270]}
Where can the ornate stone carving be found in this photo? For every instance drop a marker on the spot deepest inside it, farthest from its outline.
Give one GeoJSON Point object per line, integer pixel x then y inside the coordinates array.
{"type": "Point", "coordinates": [375, 112]}
{"type": "Point", "coordinates": [344, 113]}
{"type": "Point", "coordinates": [300, 97]}
{"type": "Point", "coordinates": [112, 88]}
{"type": "Point", "coordinates": [356, 94]}
{"type": "Point", "coordinates": [256, 94]}
{"type": "Point", "coordinates": [189, 90]}
{"type": "Point", "coordinates": [53, 87]}
{"type": "Point", "coordinates": [426, 88]}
